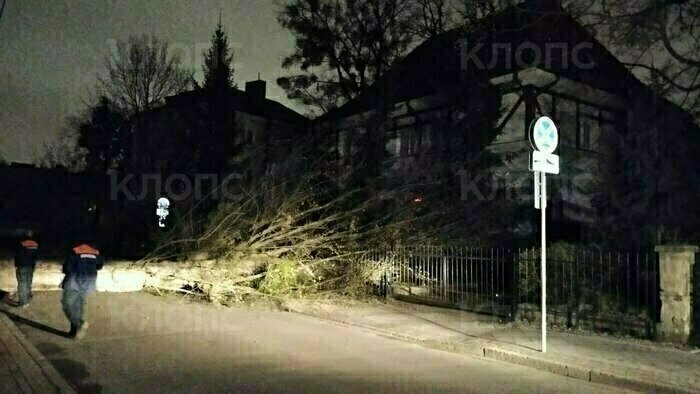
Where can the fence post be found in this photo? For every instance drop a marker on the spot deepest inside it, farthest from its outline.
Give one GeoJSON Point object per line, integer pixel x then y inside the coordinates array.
{"type": "Point", "coordinates": [675, 280]}
{"type": "Point", "coordinates": [444, 277]}
{"type": "Point", "coordinates": [385, 276]}
{"type": "Point", "coordinates": [515, 286]}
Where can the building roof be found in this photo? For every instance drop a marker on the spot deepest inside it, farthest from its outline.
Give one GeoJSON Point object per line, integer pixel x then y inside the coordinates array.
{"type": "Point", "coordinates": [544, 26]}
{"type": "Point", "coordinates": [244, 102]}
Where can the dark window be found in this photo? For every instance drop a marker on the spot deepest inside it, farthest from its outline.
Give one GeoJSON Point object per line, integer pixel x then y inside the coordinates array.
{"type": "Point", "coordinates": [567, 122]}
{"type": "Point", "coordinates": [409, 141]}
{"type": "Point", "coordinates": [589, 133]}
{"type": "Point", "coordinates": [427, 135]}
{"type": "Point", "coordinates": [585, 133]}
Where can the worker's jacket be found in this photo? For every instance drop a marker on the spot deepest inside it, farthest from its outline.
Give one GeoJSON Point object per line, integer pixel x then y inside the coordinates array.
{"type": "Point", "coordinates": [81, 269]}
{"type": "Point", "coordinates": [26, 255]}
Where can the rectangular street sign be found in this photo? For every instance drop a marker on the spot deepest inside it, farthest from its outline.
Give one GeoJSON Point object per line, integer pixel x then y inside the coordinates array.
{"type": "Point", "coordinates": [544, 162]}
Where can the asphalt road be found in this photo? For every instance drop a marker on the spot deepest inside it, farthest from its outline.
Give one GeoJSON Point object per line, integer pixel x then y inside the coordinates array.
{"type": "Point", "coordinates": [143, 343]}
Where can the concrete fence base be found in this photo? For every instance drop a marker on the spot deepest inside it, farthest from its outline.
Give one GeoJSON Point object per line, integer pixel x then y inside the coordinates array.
{"type": "Point", "coordinates": [676, 284]}
{"type": "Point", "coordinates": [116, 276]}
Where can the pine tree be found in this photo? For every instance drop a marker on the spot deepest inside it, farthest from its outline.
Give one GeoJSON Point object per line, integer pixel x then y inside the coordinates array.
{"type": "Point", "coordinates": [103, 136]}
{"type": "Point", "coordinates": [218, 62]}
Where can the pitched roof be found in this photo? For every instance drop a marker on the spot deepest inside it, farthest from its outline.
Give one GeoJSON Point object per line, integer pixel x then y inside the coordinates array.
{"type": "Point", "coordinates": [243, 102]}
{"type": "Point", "coordinates": [409, 78]}
{"type": "Point", "coordinates": [439, 57]}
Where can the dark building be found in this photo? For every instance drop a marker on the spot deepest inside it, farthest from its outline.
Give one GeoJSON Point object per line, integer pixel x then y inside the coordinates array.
{"type": "Point", "coordinates": [193, 143]}
{"type": "Point", "coordinates": [628, 155]}
{"type": "Point", "coordinates": [53, 203]}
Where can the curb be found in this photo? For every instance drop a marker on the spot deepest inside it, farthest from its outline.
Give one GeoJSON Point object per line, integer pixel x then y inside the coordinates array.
{"type": "Point", "coordinates": [486, 349]}
{"type": "Point", "coordinates": [47, 369]}
{"type": "Point", "coordinates": [582, 373]}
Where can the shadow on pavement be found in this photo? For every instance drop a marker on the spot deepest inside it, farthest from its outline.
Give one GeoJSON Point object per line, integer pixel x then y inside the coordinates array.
{"type": "Point", "coordinates": [5, 297]}
{"type": "Point", "coordinates": [31, 323]}
{"type": "Point", "coordinates": [458, 331]}
{"type": "Point", "coordinates": [48, 349]}
{"type": "Point", "coordinates": [75, 373]}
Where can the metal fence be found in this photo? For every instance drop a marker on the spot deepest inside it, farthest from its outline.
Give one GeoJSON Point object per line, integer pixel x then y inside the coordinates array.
{"type": "Point", "coordinates": [475, 279]}
{"type": "Point", "coordinates": [589, 289]}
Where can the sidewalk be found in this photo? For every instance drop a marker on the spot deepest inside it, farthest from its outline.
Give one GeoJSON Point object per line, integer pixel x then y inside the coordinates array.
{"type": "Point", "coordinates": [629, 363]}
{"type": "Point", "coordinates": [23, 369]}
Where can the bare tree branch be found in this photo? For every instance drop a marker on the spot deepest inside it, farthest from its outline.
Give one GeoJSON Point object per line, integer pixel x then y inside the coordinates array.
{"type": "Point", "coordinates": [2, 8]}
{"type": "Point", "coordinates": [142, 73]}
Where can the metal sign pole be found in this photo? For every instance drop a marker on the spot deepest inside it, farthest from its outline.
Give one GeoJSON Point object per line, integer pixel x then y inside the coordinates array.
{"type": "Point", "coordinates": [538, 197]}
{"type": "Point", "coordinates": [544, 138]}
{"type": "Point", "coordinates": [543, 263]}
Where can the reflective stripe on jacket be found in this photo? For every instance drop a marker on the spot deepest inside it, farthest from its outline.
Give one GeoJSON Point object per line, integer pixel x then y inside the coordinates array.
{"type": "Point", "coordinates": [81, 269]}
{"type": "Point", "coordinates": [26, 255]}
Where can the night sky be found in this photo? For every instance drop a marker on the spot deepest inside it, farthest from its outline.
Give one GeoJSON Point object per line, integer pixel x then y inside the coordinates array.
{"type": "Point", "coordinates": [52, 50]}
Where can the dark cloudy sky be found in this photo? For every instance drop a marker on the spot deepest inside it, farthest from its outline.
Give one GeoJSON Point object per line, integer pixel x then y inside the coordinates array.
{"type": "Point", "coordinates": [52, 50]}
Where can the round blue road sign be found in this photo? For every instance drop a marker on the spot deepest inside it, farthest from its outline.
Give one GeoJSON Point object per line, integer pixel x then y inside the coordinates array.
{"type": "Point", "coordinates": [544, 135]}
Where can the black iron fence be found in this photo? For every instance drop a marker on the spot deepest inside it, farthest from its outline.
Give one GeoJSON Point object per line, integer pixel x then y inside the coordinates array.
{"type": "Point", "coordinates": [475, 279]}
{"type": "Point", "coordinates": [589, 289]}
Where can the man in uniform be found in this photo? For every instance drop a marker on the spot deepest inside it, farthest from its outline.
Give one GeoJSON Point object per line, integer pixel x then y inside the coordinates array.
{"type": "Point", "coordinates": [25, 262]}
{"type": "Point", "coordinates": [80, 280]}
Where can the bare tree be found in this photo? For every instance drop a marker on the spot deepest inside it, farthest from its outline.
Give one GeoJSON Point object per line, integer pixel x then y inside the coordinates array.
{"type": "Point", "coordinates": [142, 73]}
{"type": "Point", "coordinates": [659, 40]}
{"type": "Point", "coordinates": [432, 17]}
{"type": "Point", "coordinates": [2, 8]}
{"type": "Point", "coordinates": [64, 152]}
{"type": "Point", "coordinates": [470, 12]}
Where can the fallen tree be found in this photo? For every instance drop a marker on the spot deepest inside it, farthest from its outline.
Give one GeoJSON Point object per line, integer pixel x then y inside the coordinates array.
{"type": "Point", "coordinates": [276, 240]}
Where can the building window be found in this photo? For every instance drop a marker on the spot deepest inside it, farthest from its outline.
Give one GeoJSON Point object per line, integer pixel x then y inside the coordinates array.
{"type": "Point", "coordinates": [581, 125]}
{"type": "Point", "coordinates": [248, 135]}
{"type": "Point", "coordinates": [245, 137]}
{"type": "Point", "coordinates": [566, 117]}
{"type": "Point", "coordinates": [584, 130]}
{"type": "Point", "coordinates": [393, 146]}
{"type": "Point", "coordinates": [589, 133]}
{"type": "Point", "coordinates": [409, 141]}
{"type": "Point", "coordinates": [344, 143]}
{"type": "Point", "coordinates": [546, 103]}
{"type": "Point", "coordinates": [427, 135]}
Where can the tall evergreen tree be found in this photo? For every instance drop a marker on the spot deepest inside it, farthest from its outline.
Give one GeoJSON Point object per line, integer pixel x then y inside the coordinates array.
{"type": "Point", "coordinates": [218, 62]}
{"type": "Point", "coordinates": [342, 47]}
{"type": "Point", "coordinates": [104, 136]}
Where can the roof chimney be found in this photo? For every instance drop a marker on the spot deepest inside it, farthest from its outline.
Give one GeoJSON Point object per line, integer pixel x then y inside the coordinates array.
{"type": "Point", "coordinates": [255, 89]}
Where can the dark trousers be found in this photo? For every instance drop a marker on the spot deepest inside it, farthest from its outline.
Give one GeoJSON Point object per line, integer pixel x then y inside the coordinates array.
{"type": "Point", "coordinates": [25, 275]}
{"type": "Point", "coordinates": [74, 306]}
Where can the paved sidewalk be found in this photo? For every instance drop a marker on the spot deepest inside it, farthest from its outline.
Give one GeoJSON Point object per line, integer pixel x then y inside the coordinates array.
{"type": "Point", "coordinates": [639, 365]}
{"type": "Point", "coordinates": [23, 369]}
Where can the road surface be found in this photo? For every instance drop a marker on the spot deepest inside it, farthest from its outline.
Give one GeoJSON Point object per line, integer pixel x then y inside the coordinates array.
{"type": "Point", "coordinates": [143, 343]}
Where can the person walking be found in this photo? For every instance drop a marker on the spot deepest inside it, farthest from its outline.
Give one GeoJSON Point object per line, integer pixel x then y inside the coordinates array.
{"type": "Point", "coordinates": [25, 263]}
{"type": "Point", "coordinates": [80, 280]}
